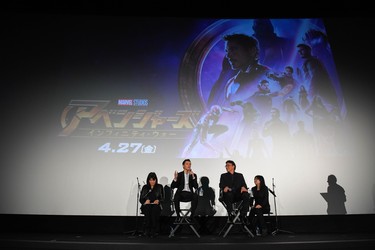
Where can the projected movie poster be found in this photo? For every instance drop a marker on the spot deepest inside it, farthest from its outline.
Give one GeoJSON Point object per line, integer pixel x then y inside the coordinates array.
{"type": "Point", "coordinates": [219, 88]}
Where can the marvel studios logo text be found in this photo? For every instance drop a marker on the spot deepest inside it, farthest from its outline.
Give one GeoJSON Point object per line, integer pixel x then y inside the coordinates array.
{"type": "Point", "coordinates": [133, 102]}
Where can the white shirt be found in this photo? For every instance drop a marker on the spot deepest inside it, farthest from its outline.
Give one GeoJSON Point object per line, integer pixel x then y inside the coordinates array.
{"type": "Point", "coordinates": [186, 187]}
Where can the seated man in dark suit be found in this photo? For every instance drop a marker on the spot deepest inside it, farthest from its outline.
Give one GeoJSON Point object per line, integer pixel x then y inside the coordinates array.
{"type": "Point", "coordinates": [234, 189]}
{"type": "Point", "coordinates": [186, 184]}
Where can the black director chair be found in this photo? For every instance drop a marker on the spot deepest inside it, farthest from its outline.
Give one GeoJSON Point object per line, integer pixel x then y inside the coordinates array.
{"type": "Point", "coordinates": [233, 218]}
{"type": "Point", "coordinates": [184, 219]}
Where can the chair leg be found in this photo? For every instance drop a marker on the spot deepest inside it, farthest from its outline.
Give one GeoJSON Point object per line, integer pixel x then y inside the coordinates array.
{"type": "Point", "coordinates": [236, 221]}
{"type": "Point", "coordinates": [249, 231]}
{"type": "Point", "coordinates": [184, 220]}
{"type": "Point", "coordinates": [174, 230]}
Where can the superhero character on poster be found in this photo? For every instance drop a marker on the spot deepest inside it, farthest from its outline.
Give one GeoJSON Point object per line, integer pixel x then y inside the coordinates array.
{"type": "Point", "coordinates": [234, 60]}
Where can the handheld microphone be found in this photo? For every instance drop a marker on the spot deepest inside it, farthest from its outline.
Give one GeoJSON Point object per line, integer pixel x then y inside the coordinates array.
{"type": "Point", "coordinates": [149, 191]}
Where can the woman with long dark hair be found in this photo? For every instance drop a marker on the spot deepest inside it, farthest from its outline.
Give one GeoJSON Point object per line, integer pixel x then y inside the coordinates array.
{"type": "Point", "coordinates": [261, 204]}
{"type": "Point", "coordinates": [152, 194]}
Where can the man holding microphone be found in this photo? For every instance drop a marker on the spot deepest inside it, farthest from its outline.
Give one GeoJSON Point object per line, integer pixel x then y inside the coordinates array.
{"type": "Point", "coordinates": [186, 184]}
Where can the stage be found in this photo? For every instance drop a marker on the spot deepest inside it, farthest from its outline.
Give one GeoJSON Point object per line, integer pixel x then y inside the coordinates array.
{"type": "Point", "coordinates": [36, 232]}
{"type": "Point", "coordinates": [23, 241]}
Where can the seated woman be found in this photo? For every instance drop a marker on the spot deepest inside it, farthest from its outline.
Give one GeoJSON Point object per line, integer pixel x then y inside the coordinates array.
{"type": "Point", "coordinates": [261, 204]}
{"type": "Point", "coordinates": [152, 194]}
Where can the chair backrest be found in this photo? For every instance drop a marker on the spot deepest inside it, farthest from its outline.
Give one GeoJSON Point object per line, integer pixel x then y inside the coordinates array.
{"type": "Point", "coordinates": [221, 193]}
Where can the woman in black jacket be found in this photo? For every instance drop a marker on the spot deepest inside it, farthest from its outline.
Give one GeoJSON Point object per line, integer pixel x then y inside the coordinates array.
{"type": "Point", "coordinates": [261, 204]}
{"type": "Point", "coordinates": [152, 194]}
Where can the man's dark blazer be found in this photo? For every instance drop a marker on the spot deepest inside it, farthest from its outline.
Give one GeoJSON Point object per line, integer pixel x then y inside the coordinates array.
{"type": "Point", "coordinates": [180, 183]}
{"type": "Point", "coordinates": [234, 182]}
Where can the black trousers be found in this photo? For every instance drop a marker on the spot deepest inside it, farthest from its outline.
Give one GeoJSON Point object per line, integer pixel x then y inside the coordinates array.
{"type": "Point", "coordinates": [230, 197]}
{"type": "Point", "coordinates": [152, 216]}
{"type": "Point", "coordinates": [185, 196]}
{"type": "Point", "coordinates": [256, 217]}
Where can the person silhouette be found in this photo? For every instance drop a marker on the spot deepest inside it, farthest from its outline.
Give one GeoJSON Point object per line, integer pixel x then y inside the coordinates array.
{"type": "Point", "coordinates": [206, 205]}
{"type": "Point", "coordinates": [274, 49]}
{"type": "Point", "coordinates": [323, 127]}
{"type": "Point", "coordinates": [291, 109]}
{"type": "Point", "coordinates": [286, 81]}
{"type": "Point", "coordinates": [240, 68]}
{"type": "Point", "coordinates": [303, 100]}
{"type": "Point", "coordinates": [242, 52]}
{"type": "Point", "coordinates": [317, 77]}
{"type": "Point", "coordinates": [206, 198]}
{"type": "Point", "coordinates": [303, 142]}
{"type": "Point", "coordinates": [202, 129]}
{"type": "Point", "coordinates": [336, 197]}
{"type": "Point", "coordinates": [257, 149]}
{"type": "Point", "coordinates": [167, 206]}
{"type": "Point", "coordinates": [167, 203]}
{"type": "Point", "coordinates": [279, 133]}
{"type": "Point", "coordinates": [318, 41]}
{"type": "Point", "coordinates": [262, 100]}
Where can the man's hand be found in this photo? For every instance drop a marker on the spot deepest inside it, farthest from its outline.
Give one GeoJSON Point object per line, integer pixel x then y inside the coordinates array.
{"type": "Point", "coordinates": [156, 202]}
{"type": "Point", "coordinates": [147, 202]}
{"type": "Point", "coordinates": [243, 190]}
{"type": "Point", "coordinates": [192, 173]}
{"type": "Point", "coordinates": [226, 189]}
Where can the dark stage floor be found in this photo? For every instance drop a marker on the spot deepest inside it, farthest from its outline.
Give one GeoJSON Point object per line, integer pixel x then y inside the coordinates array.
{"type": "Point", "coordinates": [235, 240]}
